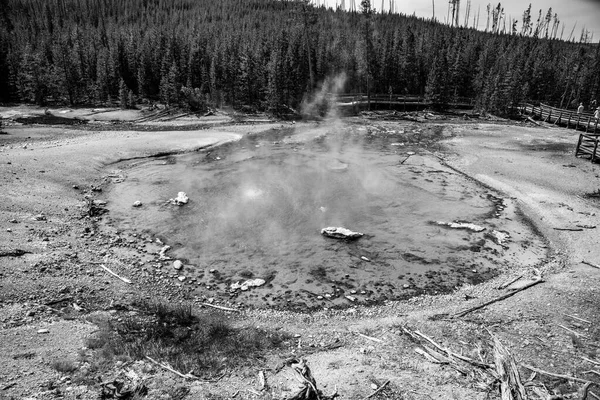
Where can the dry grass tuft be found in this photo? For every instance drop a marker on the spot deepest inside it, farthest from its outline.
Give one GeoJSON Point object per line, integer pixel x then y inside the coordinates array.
{"type": "Point", "coordinates": [204, 344]}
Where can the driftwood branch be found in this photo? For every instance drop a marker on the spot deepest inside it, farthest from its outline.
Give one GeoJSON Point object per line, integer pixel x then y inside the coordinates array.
{"type": "Point", "coordinates": [577, 318]}
{"type": "Point", "coordinates": [428, 356]}
{"type": "Point", "coordinates": [164, 366]}
{"type": "Point", "coordinates": [566, 377]}
{"type": "Point", "coordinates": [572, 331]}
{"type": "Point", "coordinates": [115, 275]}
{"type": "Point", "coordinates": [220, 307]}
{"type": "Point", "coordinates": [504, 296]}
{"type": "Point", "coordinates": [507, 284]}
{"type": "Point", "coordinates": [583, 392]}
{"type": "Point", "coordinates": [592, 361]}
{"type": "Point", "coordinates": [378, 390]}
{"type": "Point", "coordinates": [441, 355]}
{"type": "Point", "coordinates": [511, 386]}
{"type": "Point", "coordinates": [590, 264]}
{"type": "Point", "coordinates": [569, 229]}
{"type": "Point", "coordinates": [370, 337]}
{"type": "Point", "coordinates": [535, 122]}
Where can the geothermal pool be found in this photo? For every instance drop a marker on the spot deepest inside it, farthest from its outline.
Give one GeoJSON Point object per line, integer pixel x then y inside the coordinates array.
{"type": "Point", "coordinates": [257, 207]}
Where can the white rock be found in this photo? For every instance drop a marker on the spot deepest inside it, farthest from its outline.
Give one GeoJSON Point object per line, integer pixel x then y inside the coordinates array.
{"type": "Point", "coordinates": [248, 284]}
{"type": "Point", "coordinates": [340, 233]}
{"type": "Point", "coordinates": [177, 264]}
{"type": "Point", "coordinates": [39, 217]}
{"type": "Point", "coordinates": [180, 200]}
{"type": "Point", "coordinates": [137, 203]}
{"type": "Point", "coordinates": [42, 331]}
{"type": "Point", "coordinates": [462, 225]}
{"type": "Point", "coordinates": [181, 278]}
{"type": "Point", "coordinates": [499, 237]}
{"type": "Point", "coordinates": [163, 251]}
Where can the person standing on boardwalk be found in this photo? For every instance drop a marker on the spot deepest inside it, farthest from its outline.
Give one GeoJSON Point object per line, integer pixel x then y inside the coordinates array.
{"type": "Point", "coordinates": [597, 114]}
{"type": "Point", "coordinates": [580, 109]}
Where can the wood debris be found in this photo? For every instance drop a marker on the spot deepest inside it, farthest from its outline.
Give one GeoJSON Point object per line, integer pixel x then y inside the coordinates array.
{"type": "Point", "coordinates": [168, 368]}
{"type": "Point", "coordinates": [510, 282]}
{"type": "Point", "coordinates": [115, 275]}
{"type": "Point", "coordinates": [511, 386]}
{"type": "Point", "coordinates": [590, 264]}
{"type": "Point", "coordinates": [504, 296]}
{"type": "Point", "coordinates": [379, 389]}
{"type": "Point", "coordinates": [304, 376]}
{"type": "Point", "coordinates": [13, 253]}
{"type": "Point", "coordinates": [566, 377]}
{"type": "Point", "coordinates": [219, 307]}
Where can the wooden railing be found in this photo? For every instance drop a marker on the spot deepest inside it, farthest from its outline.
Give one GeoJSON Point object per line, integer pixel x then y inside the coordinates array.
{"type": "Point", "coordinates": [362, 98]}
{"type": "Point", "coordinates": [558, 116]}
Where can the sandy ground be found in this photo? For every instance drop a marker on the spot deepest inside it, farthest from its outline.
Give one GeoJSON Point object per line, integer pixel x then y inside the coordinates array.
{"type": "Point", "coordinates": [49, 171]}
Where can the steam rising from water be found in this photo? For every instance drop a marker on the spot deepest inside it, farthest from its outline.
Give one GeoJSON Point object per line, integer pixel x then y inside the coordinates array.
{"type": "Point", "coordinates": [322, 102]}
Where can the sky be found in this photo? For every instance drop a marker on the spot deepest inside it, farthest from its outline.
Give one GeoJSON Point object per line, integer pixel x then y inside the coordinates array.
{"type": "Point", "coordinates": [573, 13]}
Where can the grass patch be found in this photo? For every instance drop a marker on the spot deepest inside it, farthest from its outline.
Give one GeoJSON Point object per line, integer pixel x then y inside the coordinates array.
{"type": "Point", "coordinates": [204, 344]}
{"type": "Point", "coordinates": [65, 366]}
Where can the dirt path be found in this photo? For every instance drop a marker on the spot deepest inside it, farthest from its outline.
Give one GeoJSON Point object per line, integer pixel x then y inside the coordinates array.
{"type": "Point", "coordinates": [355, 350]}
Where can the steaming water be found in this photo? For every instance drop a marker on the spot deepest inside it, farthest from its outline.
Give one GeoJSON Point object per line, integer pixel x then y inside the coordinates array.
{"type": "Point", "coordinates": [257, 211]}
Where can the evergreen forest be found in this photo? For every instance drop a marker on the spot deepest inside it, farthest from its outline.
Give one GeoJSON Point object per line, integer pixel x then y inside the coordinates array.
{"type": "Point", "coordinates": [271, 54]}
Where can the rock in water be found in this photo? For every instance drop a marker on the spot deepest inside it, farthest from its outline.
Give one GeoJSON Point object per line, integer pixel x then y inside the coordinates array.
{"type": "Point", "coordinates": [177, 264]}
{"type": "Point", "coordinates": [340, 233]}
{"type": "Point", "coordinates": [248, 284]}
{"type": "Point", "coordinates": [137, 203]}
{"type": "Point", "coordinates": [462, 225]}
{"type": "Point", "coordinates": [180, 200]}
{"type": "Point", "coordinates": [498, 237]}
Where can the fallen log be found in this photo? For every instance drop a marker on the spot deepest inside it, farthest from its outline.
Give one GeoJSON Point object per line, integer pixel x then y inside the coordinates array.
{"type": "Point", "coordinates": [500, 298]}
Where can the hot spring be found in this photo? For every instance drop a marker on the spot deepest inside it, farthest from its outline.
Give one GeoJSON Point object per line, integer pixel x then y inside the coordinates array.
{"type": "Point", "coordinates": [257, 208]}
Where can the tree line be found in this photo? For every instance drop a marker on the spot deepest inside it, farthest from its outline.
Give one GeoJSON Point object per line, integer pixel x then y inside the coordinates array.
{"type": "Point", "coordinates": [270, 55]}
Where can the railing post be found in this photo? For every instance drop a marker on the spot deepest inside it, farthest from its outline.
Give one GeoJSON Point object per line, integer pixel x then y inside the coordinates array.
{"type": "Point", "coordinates": [559, 118]}
{"type": "Point", "coordinates": [587, 128]}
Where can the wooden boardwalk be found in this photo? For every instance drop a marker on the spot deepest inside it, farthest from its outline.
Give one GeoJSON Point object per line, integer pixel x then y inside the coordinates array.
{"type": "Point", "coordinates": [587, 145]}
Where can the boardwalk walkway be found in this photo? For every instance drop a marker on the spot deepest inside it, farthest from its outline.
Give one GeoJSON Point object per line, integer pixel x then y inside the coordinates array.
{"type": "Point", "coordinates": [587, 145]}
{"type": "Point", "coordinates": [569, 118]}
{"type": "Point", "coordinates": [359, 101]}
